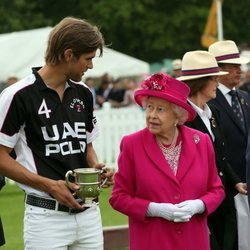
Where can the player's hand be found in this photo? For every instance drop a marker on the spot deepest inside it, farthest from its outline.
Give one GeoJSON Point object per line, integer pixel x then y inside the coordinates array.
{"type": "Point", "coordinates": [60, 191]}
{"type": "Point", "coordinates": [107, 173]}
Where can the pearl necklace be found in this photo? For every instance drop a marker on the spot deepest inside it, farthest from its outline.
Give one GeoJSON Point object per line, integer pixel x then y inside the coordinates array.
{"type": "Point", "coordinates": [172, 153]}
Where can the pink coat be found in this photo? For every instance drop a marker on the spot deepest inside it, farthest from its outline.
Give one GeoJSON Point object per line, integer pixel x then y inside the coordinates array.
{"type": "Point", "coordinates": [144, 176]}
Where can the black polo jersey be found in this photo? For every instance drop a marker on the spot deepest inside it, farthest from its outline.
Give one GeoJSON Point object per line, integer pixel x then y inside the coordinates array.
{"type": "Point", "coordinates": [48, 134]}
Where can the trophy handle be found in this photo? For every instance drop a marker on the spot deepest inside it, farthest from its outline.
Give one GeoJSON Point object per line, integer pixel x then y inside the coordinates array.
{"type": "Point", "coordinates": [69, 173]}
{"type": "Point", "coordinates": [103, 170]}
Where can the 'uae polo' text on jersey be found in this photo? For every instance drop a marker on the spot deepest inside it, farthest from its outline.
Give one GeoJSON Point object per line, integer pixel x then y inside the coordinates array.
{"type": "Point", "coordinates": [49, 135]}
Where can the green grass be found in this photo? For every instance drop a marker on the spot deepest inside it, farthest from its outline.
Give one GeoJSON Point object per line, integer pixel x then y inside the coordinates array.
{"type": "Point", "coordinates": [12, 208]}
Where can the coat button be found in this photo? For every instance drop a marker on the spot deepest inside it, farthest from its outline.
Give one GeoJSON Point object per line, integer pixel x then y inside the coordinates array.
{"type": "Point", "coordinates": [178, 230]}
{"type": "Point", "coordinates": [220, 173]}
{"type": "Point", "coordinates": [177, 196]}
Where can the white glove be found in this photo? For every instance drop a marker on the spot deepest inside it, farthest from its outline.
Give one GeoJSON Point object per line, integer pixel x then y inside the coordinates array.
{"type": "Point", "coordinates": [190, 207]}
{"type": "Point", "coordinates": [167, 211]}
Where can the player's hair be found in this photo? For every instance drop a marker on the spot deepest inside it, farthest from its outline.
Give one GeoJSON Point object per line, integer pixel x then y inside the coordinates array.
{"type": "Point", "coordinates": [76, 34]}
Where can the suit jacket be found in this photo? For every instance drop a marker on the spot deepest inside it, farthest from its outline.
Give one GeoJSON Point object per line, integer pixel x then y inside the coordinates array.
{"type": "Point", "coordinates": [2, 240]}
{"type": "Point", "coordinates": [2, 181]}
{"type": "Point", "coordinates": [144, 176]}
{"type": "Point", "coordinates": [248, 166]}
{"type": "Point", "coordinates": [228, 176]}
{"type": "Point", "coordinates": [235, 136]}
{"type": "Point", "coordinates": [223, 234]}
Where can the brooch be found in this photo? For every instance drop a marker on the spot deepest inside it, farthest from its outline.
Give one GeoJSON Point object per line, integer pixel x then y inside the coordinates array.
{"type": "Point", "coordinates": [213, 122]}
{"type": "Point", "coordinates": [243, 101]}
{"type": "Point", "coordinates": [196, 139]}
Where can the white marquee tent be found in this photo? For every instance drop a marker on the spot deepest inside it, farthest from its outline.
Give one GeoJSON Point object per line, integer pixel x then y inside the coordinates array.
{"type": "Point", "coordinates": [22, 50]}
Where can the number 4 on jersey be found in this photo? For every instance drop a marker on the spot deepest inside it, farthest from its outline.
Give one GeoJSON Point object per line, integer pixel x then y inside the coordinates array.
{"type": "Point", "coordinates": [44, 109]}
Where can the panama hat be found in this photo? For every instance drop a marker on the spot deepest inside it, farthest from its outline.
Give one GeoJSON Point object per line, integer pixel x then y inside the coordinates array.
{"type": "Point", "coordinates": [197, 64]}
{"type": "Point", "coordinates": [227, 52]}
{"type": "Point", "coordinates": [165, 87]}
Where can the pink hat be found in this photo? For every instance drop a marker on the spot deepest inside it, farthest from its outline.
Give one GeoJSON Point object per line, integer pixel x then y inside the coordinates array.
{"type": "Point", "coordinates": [168, 88]}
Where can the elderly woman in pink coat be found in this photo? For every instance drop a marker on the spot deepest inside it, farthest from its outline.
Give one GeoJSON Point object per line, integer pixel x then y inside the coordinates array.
{"type": "Point", "coordinates": [167, 182]}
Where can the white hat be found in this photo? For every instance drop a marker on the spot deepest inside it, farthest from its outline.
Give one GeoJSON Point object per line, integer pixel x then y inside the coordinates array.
{"type": "Point", "coordinates": [227, 52]}
{"type": "Point", "coordinates": [176, 64]}
{"type": "Point", "coordinates": [197, 64]}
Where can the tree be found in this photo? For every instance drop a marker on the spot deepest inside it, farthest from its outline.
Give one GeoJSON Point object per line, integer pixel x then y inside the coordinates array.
{"type": "Point", "coordinates": [147, 29]}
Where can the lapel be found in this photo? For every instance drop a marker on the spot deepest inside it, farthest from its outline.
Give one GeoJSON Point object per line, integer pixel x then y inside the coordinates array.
{"type": "Point", "coordinates": [198, 124]}
{"type": "Point", "coordinates": [227, 108]}
{"type": "Point", "coordinates": [186, 158]}
{"type": "Point", "coordinates": [244, 106]}
{"type": "Point", "coordinates": [215, 127]}
{"type": "Point", "coordinates": [190, 139]}
{"type": "Point", "coordinates": [155, 154]}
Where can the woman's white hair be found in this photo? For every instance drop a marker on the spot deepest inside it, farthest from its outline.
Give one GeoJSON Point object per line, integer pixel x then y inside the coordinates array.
{"type": "Point", "coordinates": [181, 113]}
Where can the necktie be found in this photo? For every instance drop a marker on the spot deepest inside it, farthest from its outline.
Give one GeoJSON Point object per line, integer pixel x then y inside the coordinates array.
{"type": "Point", "coordinates": [237, 108]}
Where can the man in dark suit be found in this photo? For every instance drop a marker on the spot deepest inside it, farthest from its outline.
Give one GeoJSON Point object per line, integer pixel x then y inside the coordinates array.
{"type": "Point", "coordinates": [2, 239]}
{"type": "Point", "coordinates": [235, 121]}
{"type": "Point", "coordinates": [233, 105]}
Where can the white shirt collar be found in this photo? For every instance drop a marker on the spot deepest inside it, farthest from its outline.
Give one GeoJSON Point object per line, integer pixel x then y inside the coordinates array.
{"type": "Point", "coordinates": [225, 90]}
{"type": "Point", "coordinates": [205, 114]}
{"type": "Point", "coordinates": [202, 112]}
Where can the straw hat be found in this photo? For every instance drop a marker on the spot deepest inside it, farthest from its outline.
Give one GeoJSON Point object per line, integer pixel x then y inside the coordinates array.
{"type": "Point", "coordinates": [227, 52]}
{"type": "Point", "coordinates": [197, 64]}
{"type": "Point", "coordinates": [167, 88]}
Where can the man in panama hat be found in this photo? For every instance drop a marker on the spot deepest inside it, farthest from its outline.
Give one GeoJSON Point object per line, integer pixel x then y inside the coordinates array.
{"type": "Point", "coordinates": [233, 105]}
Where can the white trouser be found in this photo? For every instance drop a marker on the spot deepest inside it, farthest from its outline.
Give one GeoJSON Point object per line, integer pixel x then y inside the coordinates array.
{"type": "Point", "coordinates": [53, 230]}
